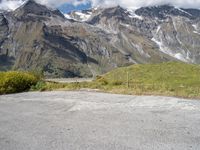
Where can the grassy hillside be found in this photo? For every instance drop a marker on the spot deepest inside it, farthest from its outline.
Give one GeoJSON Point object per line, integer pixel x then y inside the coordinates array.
{"type": "Point", "coordinates": [170, 79]}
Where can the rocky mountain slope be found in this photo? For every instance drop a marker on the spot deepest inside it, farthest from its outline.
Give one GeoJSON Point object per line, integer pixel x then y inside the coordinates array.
{"type": "Point", "coordinates": [34, 37]}
{"type": "Point", "coordinates": [173, 31]}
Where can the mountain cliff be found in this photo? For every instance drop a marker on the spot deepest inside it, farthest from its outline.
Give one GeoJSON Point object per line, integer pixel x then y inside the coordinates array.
{"type": "Point", "coordinates": [91, 42]}
{"type": "Point", "coordinates": [170, 30]}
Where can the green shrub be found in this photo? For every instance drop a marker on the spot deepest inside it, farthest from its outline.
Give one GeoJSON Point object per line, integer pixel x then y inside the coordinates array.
{"type": "Point", "coordinates": [98, 77]}
{"type": "Point", "coordinates": [117, 83]}
{"type": "Point", "coordinates": [102, 81]}
{"type": "Point", "coordinates": [37, 73]}
{"type": "Point", "coordinates": [14, 81]}
{"type": "Point", "coordinates": [40, 86]}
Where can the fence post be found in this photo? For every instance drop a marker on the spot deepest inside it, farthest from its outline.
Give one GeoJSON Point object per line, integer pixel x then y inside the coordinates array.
{"type": "Point", "coordinates": [127, 79]}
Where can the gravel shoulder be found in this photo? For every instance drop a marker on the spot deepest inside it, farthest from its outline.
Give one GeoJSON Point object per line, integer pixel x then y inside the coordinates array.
{"type": "Point", "coordinates": [97, 121]}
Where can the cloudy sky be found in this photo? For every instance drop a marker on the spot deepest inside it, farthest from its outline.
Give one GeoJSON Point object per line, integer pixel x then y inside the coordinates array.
{"type": "Point", "coordinates": [68, 5]}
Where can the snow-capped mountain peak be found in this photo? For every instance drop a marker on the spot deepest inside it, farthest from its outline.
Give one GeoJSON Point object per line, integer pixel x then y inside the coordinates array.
{"type": "Point", "coordinates": [97, 40]}
{"type": "Point", "coordinates": [82, 16]}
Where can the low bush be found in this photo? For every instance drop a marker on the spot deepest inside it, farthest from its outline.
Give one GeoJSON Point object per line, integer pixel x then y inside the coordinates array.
{"type": "Point", "coordinates": [14, 81]}
{"type": "Point", "coordinates": [40, 86]}
{"type": "Point", "coordinates": [117, 83]}
{"type": "Point", "coordinates": [102, 81]}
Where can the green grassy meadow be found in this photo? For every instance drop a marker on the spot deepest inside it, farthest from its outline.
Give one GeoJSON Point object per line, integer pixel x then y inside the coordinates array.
{"type": "Point", "coordinates": [169, 79]}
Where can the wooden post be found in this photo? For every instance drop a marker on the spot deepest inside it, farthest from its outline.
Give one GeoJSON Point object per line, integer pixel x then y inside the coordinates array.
{"type": "Point", "coordinates": [127, 79]}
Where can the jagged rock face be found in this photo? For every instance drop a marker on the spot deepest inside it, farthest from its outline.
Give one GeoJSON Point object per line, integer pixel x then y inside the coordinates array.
{"type": "Point", "coordinates": [91, 42]}
{"type": "Point", "coordinates": [31, 9]}
{"type": "Point", "coordinates": [166, 11]}
{"type": "Point", "coordinates": [45, 40]}
{"type": "Point", "coordinates": [177, 31]}
{"type": "Point", "coordinates": [163, 12]}
{"type": "Point", "coordinates": [6, 62]}
{"type": "Point", "coordinates": [169, 30]}
{"type": "Point", "coordinates": [3, 28]}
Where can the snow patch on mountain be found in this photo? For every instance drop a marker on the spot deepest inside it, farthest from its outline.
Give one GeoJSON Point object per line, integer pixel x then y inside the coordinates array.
{"type": "Point", "coordinates": [132, 13]}
{"type": "Point", "coordinates": [166, 50]}
{"type": "Point", "coordinates": [196, 30]}
{"type": "Point", "coordinates": [79, 15]}
{"type": "Point", "coordinates": [175, 25]}
{"type": "Point", "coordinates": [183, 11]}
{"type": "Point", "coordinates": [84, 16]}
{"type": "Point", "coordinates": [68, 16]}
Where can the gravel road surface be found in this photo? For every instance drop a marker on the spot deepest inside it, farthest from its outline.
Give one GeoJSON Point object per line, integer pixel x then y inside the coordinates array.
{"type": "Point", "coordinates": [97, 121]}
{"type": "Point", "coordinates": [69, 80]}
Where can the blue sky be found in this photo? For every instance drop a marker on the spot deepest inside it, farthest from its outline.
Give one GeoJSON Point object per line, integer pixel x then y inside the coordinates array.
{"type": "Point", "coordinates": [69, 7]}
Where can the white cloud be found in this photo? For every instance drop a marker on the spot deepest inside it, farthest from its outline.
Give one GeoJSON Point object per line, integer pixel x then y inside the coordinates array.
{"type": "Point", "coordinates": [13, 4]}
{"type": "Point", "coordinates": [79, 2]}
{"type": "Point", "coordinates": [10, 4]}
{"type": "Point", "coordinates": [56, 3]}
{"type": "Point", "coordinates": [142, 3]}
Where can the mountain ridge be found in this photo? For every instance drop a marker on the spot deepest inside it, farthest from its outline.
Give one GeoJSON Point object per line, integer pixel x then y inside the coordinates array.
{"type": "Point", "coordinates": [35, 37]}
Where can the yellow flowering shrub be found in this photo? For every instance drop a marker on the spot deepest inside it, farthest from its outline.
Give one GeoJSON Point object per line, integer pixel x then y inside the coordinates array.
{"type": "Point", "coordinates": [15, 81]}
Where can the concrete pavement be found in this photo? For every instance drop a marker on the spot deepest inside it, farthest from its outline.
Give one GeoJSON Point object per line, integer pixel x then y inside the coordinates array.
{"type": "Point", "coordinates": [97, 121]}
